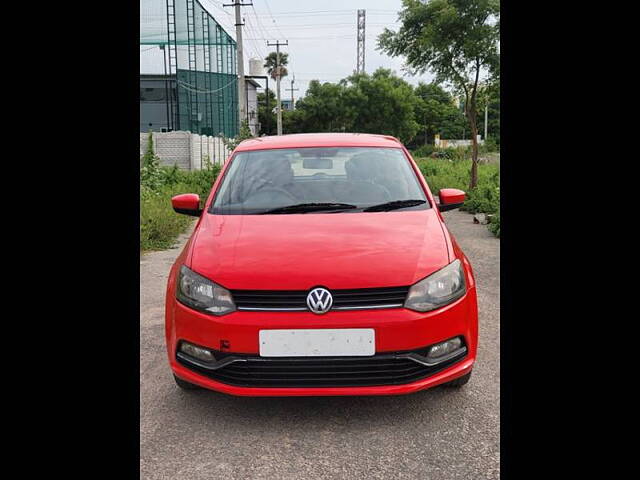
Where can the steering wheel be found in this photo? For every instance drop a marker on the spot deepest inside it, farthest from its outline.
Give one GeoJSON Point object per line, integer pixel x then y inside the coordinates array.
{"type": "Point", "coordinates": [270, 189]}
{"type": "Point", "coordinates": [385, 189]}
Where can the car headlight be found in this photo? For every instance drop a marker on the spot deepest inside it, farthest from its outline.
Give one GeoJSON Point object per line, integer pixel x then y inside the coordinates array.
{"type": "Point", "coordinates": [438, 289]}
{"type": "Point", "coordinates": [202, 294]}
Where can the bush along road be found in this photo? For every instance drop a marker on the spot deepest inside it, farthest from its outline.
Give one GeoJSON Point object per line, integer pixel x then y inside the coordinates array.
{"type": "Point", "coordinates": [438, 433]}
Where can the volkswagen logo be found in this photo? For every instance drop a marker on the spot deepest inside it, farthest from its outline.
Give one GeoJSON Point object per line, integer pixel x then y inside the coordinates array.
{"type": "Point", "coordinates": [319, 300]}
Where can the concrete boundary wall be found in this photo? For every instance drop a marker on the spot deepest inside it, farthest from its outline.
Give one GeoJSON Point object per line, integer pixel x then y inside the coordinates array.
{"type": "Point", "coordinates": [442, 143]}
{"type": "Point", "coordinates": [187, 150]}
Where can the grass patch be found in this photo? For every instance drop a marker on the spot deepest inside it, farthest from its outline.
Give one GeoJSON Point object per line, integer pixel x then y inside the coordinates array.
{"type": "Point", "coordinates": [160, 226]}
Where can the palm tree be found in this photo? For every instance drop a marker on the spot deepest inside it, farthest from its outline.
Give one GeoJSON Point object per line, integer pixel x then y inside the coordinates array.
{"type": "Point", "coordinates": [270, 64]}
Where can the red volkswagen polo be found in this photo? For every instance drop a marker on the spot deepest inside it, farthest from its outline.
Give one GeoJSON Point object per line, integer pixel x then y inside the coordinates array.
{"type": "Point", "coordinates": [321, 265]}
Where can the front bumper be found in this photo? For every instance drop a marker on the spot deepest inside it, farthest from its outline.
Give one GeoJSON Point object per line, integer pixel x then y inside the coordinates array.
{"type": "Point", "coordinates": [396, 330]}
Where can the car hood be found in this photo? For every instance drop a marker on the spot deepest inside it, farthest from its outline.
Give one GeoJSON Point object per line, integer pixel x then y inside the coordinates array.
{"type": "Point", "coordinates": [301, 251]}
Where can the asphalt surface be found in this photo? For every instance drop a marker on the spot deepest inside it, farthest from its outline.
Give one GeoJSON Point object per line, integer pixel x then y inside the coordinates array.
{"type": "Point", "coordinates": [434, 434]}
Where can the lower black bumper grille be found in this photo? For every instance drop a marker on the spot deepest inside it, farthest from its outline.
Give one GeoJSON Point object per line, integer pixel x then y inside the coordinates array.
{"type": "Point", "coordinates": [380, 369]}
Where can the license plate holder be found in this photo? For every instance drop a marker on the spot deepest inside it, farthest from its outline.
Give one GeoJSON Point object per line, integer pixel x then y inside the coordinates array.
{"type": "Point", "coordinates": [318, 342]}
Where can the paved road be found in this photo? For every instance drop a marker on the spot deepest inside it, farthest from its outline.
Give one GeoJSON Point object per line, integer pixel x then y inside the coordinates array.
{"type": "Point", "coordinates": [436, 434]}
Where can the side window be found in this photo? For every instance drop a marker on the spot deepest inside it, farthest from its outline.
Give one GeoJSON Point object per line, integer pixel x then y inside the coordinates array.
{"type": "Point", "coordinates": [152, 94]}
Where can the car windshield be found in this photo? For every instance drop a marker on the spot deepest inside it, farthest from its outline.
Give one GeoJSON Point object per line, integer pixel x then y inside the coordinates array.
{"type": "Point", "coordinates": [319, 180]}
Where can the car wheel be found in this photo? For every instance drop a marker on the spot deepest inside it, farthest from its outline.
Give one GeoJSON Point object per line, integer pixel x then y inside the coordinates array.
{"type": "Point", "coordinates": [458, 382]}
{"type": "Point", "coordinates": [184, 385]}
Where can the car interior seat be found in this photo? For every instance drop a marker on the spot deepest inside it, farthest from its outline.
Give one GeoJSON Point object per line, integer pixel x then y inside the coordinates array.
{"type": "Point", "coordinates": [362, 170]}
{"type": "Point", "coordinates": [266, 171]}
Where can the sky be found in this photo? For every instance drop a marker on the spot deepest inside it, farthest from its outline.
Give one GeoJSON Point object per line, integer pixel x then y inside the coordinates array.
{"type": "Point", "coordinates": [321, 34]}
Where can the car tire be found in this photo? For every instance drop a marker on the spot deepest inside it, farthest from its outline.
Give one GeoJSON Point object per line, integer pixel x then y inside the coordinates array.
{"type": "Point", "coordinates": [458, 382]}
{"type": "Point", "coordinates": [184, 385]}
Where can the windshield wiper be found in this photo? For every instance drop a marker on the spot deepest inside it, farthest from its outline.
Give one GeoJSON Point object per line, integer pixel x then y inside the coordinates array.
{"type": "Point", "coordinates": [309, 207]}
{"type": "Point", "coordinates": [396, 204]}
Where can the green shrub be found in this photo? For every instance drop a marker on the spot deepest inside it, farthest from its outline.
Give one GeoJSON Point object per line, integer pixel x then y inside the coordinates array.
{"type": "Point", "coordinates": [160, 226]}
{"type": "Point", "coordinates": [484, 198]}
{"type": "Point", "coordinates": [423, 151]}
{"type": "Point", "coordinates": [453, 154]}
{"type": "Point", "coordinates": [489, 146]}
{"type": "Point", "coordinates": [494, 226]}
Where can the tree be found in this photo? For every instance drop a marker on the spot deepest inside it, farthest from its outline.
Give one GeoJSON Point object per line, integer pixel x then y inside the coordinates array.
{"type": "Point", "coordinates": [454, 39]}
{"type": "Point", "coordinates": [271, 62]}
{"type": "Point", "coordinates": [379, 103]}
{"type": "Point", "coordinates": [491, 97]}
{"type": "Point", "coordinates": [436, 114]}
{"type": "Point", "coordinates": [382, 103]}
{"type": "Point", "coordinates": [323, 108]}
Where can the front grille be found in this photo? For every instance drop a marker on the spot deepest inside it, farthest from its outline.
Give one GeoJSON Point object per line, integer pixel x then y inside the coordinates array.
{"type": "Point", "coordinates": [296, 300]}
{"type": "Point", "coordinates": [379, 369]}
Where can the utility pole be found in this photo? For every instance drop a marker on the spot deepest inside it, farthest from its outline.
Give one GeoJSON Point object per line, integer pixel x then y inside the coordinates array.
{"type": "Point", "coordinates": [242, 89]}
{"type": "Point", "coordinates": [360, 25]}
{"type": "Point", "coordinates": [166, 85]}
{"type": "Point", "coordinates": [279, 103]}
{"type": "Point", "coordinates": [486, 116]}
{"type": "Point", "coordinates": [293, 79]}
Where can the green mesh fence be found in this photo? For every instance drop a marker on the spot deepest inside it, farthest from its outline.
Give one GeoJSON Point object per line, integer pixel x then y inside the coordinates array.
{"type": "Point", "coordinates": [202, 57]}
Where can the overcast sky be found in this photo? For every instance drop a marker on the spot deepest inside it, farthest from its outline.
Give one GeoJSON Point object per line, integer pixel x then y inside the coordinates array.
{"type": "Point", "coordinates": [321, 35]}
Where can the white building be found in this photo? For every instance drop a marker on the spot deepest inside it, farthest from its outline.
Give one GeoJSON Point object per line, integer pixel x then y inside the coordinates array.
{"type": "Point", "coordinates": [252, 105]}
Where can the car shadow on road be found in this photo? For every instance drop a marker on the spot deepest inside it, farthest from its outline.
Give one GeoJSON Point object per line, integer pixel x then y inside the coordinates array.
{"type": "Point", "coordinates": [361, 410]}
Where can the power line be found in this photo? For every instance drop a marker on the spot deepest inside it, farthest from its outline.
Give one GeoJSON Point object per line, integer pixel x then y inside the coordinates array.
{"type": "Point", "coordinates": [256, 46]}
{"type": "Point", "coordinates": [259, 23]}
{"type": "Point", "coordinates": [229, 17]}
{"type": "Point", "coordinates": [274, 20]}
{"type": "Point", "coordinates": [337, 25]}
{"type": "Point", "coordinates": [348, 13]}
{"type": "Point", "coordinates": [313, 38]}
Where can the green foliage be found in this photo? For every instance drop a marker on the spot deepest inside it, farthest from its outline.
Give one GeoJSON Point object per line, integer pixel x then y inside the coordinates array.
{"type": "Point", "coordinates": [423, 151]}
{"type": "Point", "coordinates": [494, 226]}
{"type": "Point", "coordinates": [452, 153]}
{"type": "Point", "coordinates": [451, 38]}
{"type": "Point", "coordinates": [272, 60]}
{"type": "Point", "coordinates": [150, 173]}
{"type": "Point", "coordinates": [436, 113]}
{"type": "Point", "coordinates": [381, 103]}
{"type": "Point", "coordinates": [244, 134]}
{"type": "Point", "coordinates": [484, 198]}
{"type": "Point", "coordinates": [266, 115]}
{"type": "Point", "coordinates": [159, 224]}
{"type": "Point", "coordinates": [490, 146]}
{"type": "Point", "coordinates": [456, 40]}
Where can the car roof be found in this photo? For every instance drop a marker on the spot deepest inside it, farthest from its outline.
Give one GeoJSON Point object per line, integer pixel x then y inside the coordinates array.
{"type": "Point", "coordinates": [301, 140]}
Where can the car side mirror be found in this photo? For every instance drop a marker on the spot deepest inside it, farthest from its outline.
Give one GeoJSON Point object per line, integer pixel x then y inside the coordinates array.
{"type": "Point", "coordinates": [450, 198]}
{"type": "Point", "coordinates": [187, 204]}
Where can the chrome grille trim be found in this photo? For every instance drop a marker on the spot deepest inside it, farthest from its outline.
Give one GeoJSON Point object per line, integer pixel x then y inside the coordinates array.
{"type": "Point", "coordinates": [378, 298]}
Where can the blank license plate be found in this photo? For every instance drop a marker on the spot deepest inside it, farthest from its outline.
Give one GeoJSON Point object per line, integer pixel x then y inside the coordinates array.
{"type": "Point", "coordinates": [319, 342]}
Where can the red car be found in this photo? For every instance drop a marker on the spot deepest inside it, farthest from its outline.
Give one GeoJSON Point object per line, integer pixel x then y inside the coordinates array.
{"type": "Point", "coordinates": [321, 265]}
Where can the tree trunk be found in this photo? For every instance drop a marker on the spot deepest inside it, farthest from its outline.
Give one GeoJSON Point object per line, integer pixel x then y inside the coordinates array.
{"type": "Point", "coordinates": [474, 149]}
